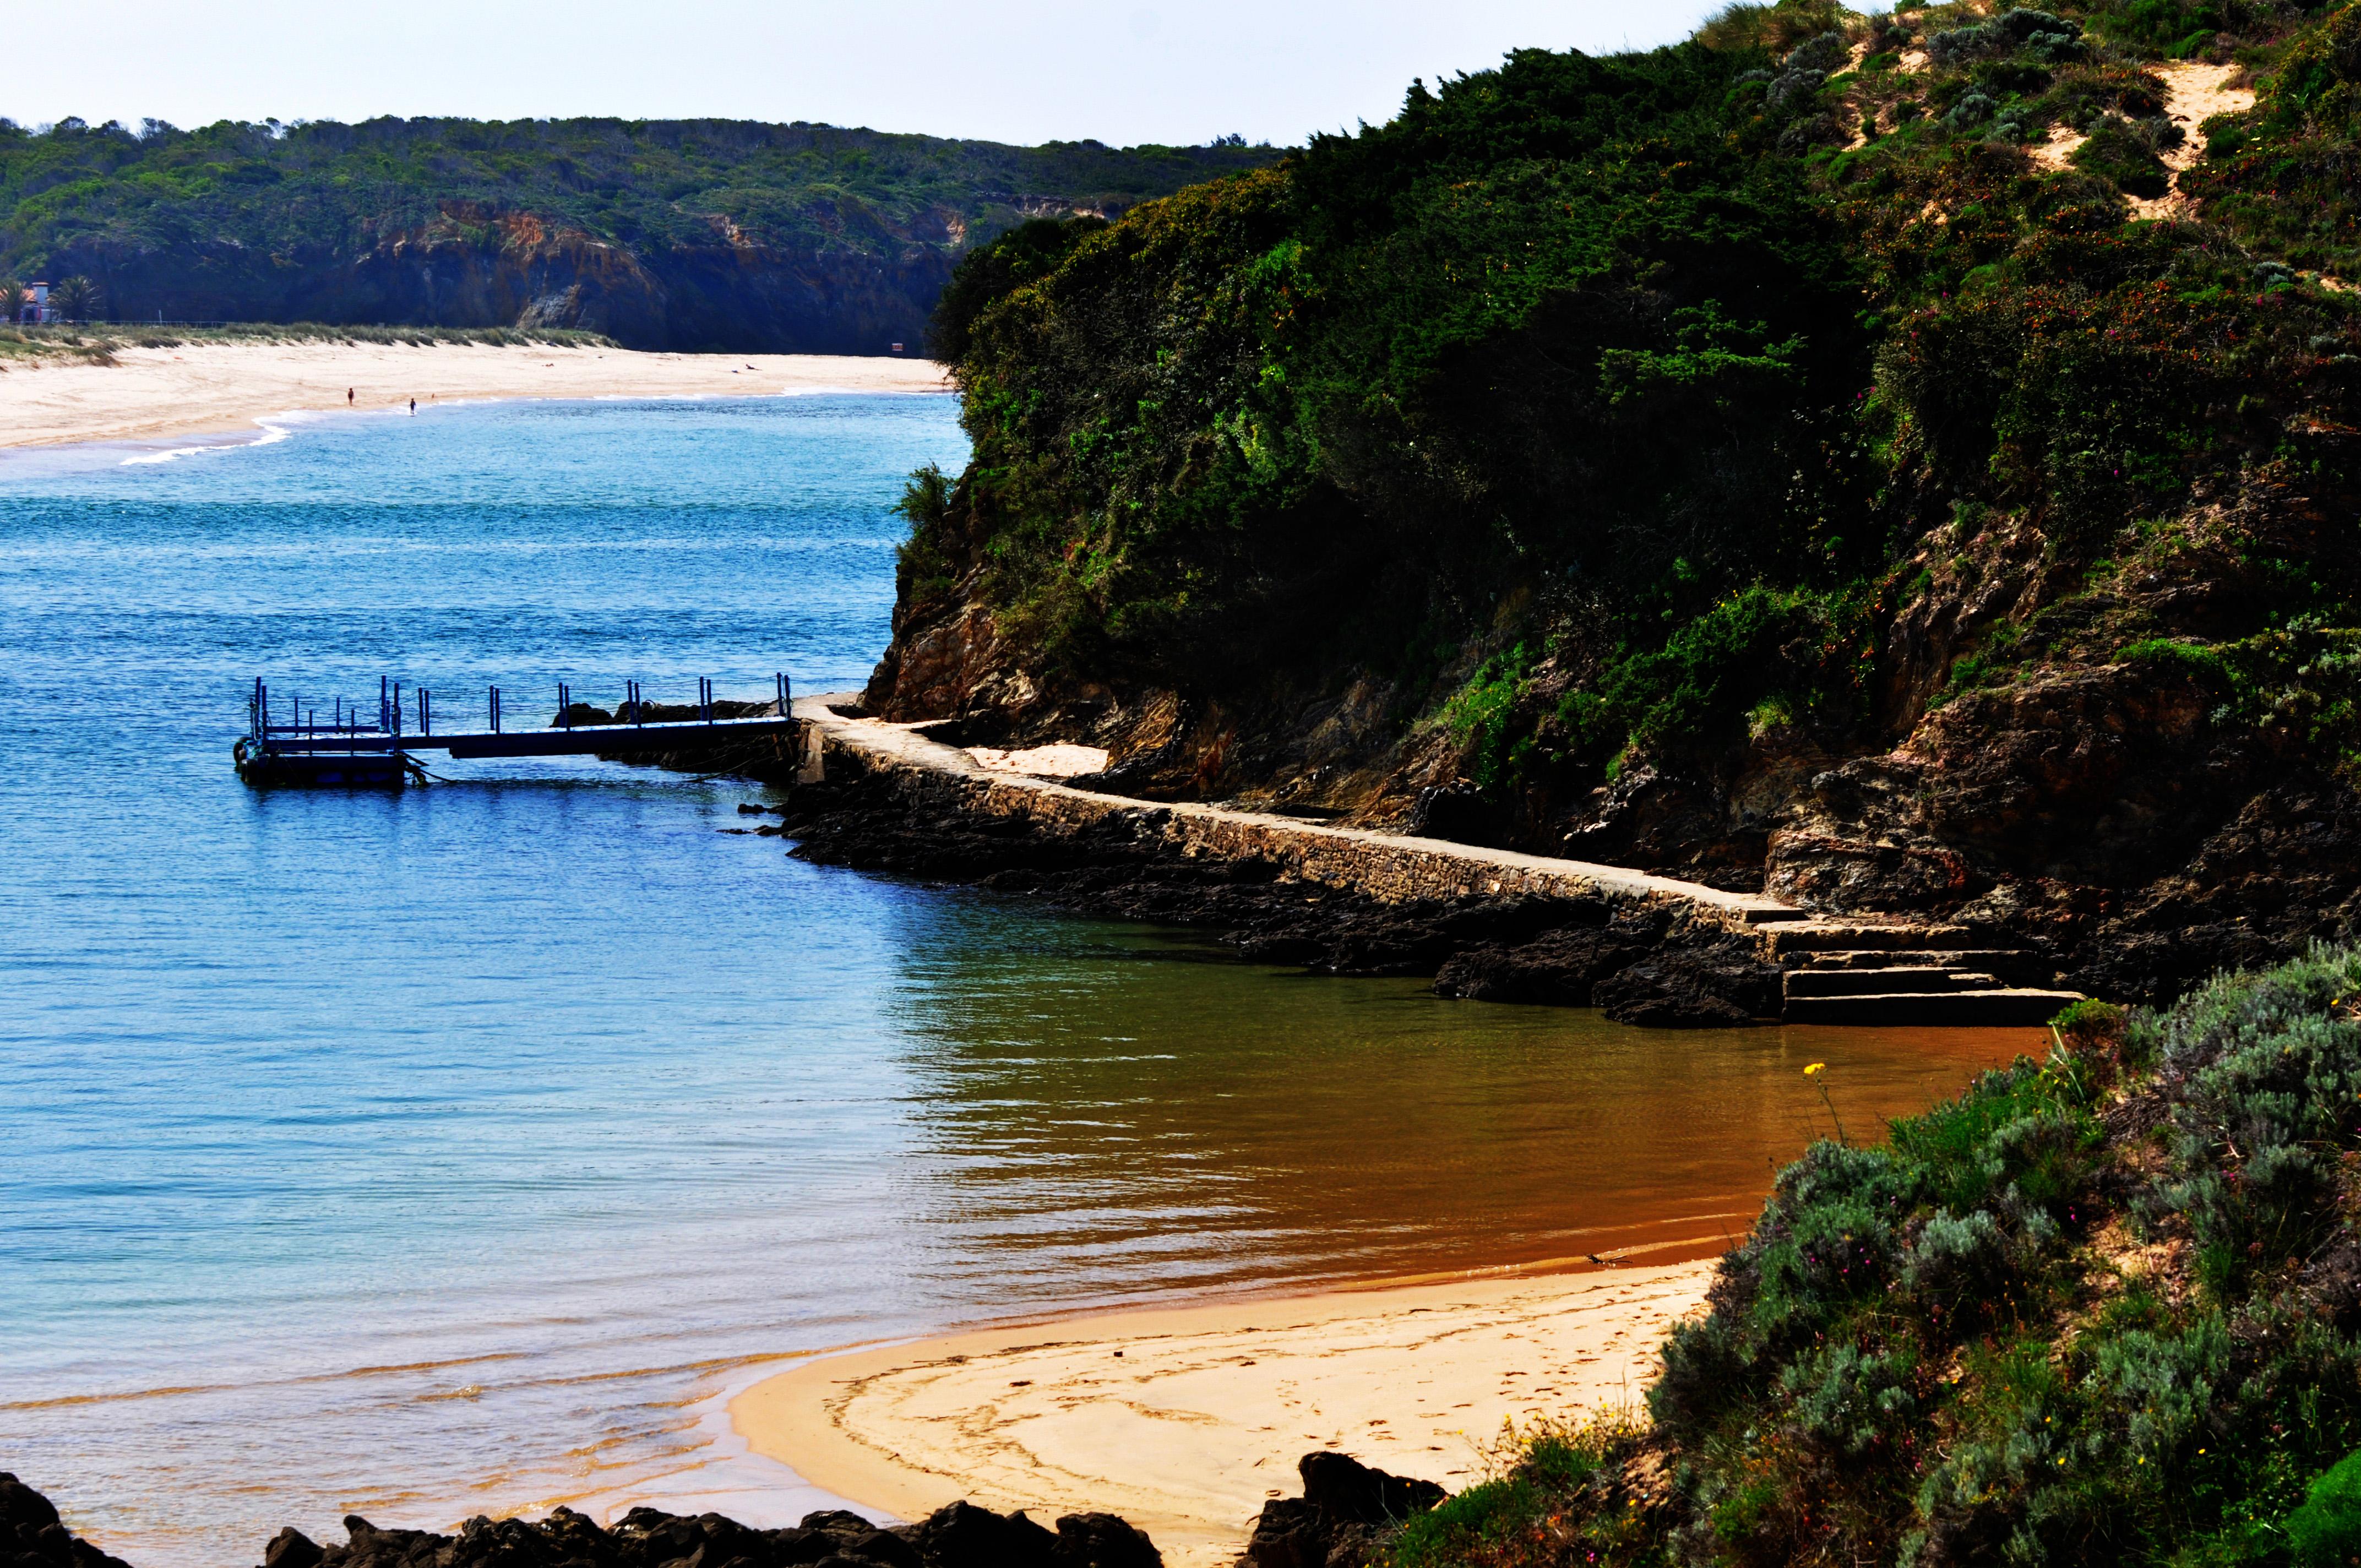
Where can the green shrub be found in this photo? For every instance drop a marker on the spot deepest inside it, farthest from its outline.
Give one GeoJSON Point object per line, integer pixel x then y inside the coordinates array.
{"type": "Point", "coordinates": [2327, 1530]}
{"type": "Point", "coordinates": [2115, 152]}
{"type": "Point", "coordinates": [1953, 1348]}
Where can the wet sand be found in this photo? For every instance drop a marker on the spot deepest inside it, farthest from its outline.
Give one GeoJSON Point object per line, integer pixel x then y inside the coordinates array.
{"type": "Point", "coordinates": [219, 388]}
{"type": "Point", "coordinates": [1185, 1421]}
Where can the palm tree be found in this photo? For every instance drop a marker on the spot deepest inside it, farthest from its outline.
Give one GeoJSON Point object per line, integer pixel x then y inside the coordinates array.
{"type": "Point", "coordinates": [12, 299]}
{"type": "Point", "coordinates": [75, 298]}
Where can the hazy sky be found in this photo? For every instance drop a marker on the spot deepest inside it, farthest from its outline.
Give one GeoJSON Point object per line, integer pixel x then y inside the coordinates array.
{"type": "Point", "coordinates": [1020, 71]}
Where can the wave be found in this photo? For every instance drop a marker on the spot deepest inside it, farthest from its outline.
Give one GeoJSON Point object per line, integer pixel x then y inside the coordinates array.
{"type": "Point", "coordinates": [274, 428]}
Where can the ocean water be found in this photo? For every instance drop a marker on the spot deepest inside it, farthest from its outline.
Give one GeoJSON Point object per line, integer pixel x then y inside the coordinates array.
{"type": "Point", "coordinates": [461, 1149]}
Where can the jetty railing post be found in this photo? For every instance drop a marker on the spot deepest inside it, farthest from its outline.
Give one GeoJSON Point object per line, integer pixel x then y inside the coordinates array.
{"type": "Point", "coordinates": [565, 707]}
{"type": "Point", "coordinates": [425, 713]}
{"type": "Point", "coordinates": [495, 708]}
{"type": "Point", "coordinates": [397, 710]}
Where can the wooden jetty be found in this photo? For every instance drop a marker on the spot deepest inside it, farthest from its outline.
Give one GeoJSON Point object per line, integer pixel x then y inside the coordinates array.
{"type": "Point", "coordinates": [350, 751]}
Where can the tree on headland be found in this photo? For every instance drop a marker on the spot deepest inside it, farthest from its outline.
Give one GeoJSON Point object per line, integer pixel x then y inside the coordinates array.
{"type": "Point", "coordinates": [76, 298]}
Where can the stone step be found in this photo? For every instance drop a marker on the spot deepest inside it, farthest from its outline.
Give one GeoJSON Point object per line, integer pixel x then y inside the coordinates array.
{"type": "Point", "coordinates": [1822, 936]}
{"type": "Point", "coordinates": [1771, 914]}
{"type": "Point", "coordinates": [1889, 957]}
{"type": "Point", "coordinates": [2006, 1008]}
{"type": "Point", "coordinates": [1913, 979]}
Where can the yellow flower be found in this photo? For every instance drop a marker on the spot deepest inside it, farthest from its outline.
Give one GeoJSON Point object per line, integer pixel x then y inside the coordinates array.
{"type": "Point", "coordinates": [1814, 1067]}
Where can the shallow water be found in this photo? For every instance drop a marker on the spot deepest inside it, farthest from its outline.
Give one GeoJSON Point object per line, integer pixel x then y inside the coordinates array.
{"type": "Point", "coordinates": [453, 1150]}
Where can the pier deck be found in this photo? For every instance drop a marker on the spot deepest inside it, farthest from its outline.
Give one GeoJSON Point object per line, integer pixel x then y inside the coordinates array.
{"type": "Point", "coordinates": [581, 739]}
{"type": "Point", "coordinates": [347, 751]}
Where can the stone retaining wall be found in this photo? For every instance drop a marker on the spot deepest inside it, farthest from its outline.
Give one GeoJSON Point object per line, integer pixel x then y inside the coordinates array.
{"type": "Point", "coordinates": [1388, 867]}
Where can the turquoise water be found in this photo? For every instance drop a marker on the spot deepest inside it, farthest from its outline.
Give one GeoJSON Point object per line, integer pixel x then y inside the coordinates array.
{"type": "Point", "coordinates": [456, 1150]}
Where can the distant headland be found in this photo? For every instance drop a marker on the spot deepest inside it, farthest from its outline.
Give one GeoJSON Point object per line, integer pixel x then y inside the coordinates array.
{"type": "Point", "coordinates": [725, 236]}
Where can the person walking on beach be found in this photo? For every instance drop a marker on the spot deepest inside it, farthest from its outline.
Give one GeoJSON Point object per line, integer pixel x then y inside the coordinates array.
{"type": "Point", "coordinates": [413, 408]}
{"type": "Point", "coordinates": [348, 397]}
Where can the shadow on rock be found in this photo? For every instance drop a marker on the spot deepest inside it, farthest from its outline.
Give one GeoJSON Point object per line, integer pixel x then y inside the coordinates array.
{"type": "Point", "coordinates": [1348, 1516]}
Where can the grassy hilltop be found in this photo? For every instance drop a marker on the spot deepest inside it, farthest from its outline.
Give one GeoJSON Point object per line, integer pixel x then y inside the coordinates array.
{"type": "Point", "coordinates": [1888, 460]}
{"type": "Point", "coordinates": [683, 233]}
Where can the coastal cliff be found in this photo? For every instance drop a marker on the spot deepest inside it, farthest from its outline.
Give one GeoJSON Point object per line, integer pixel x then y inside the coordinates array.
{"type": "Point", "coordinates": [1901, 465]}
{"type": "Point", "coordinates": [662, 235]}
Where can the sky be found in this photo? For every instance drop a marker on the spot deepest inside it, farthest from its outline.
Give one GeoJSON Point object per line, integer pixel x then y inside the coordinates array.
{"type": "Point", "coordinates": [1177, 71]}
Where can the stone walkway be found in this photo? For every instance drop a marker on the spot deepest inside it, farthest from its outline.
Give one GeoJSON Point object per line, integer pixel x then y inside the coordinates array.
{"type": "Point", "coordinates": [1837, 970]}
{"type": "Point", "coordinates": [1385, 865]}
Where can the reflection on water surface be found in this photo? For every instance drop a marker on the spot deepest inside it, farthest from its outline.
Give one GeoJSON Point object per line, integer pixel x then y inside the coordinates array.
{"type": "Point", "coordinates": [451, 1150]}
{"type": "Point", "coordinates": [1112, 1112]}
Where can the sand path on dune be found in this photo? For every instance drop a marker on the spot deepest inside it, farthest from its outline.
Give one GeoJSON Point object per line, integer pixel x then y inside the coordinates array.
{"type": "Point", "coordinates": [1185, 1421]}
{"type": "Point", "coordinates": [2194, 92]}
{"type": "Point", "coordinates": [221, 388]}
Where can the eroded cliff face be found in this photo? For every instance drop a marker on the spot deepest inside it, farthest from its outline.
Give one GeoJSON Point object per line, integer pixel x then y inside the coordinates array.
{"type": "Point", "coordinates": [471, 267]}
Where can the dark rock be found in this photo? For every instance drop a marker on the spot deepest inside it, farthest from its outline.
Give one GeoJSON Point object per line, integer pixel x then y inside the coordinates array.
{"type": "Point", "coordinates": [1101, 1540]}
{"type": "Point", "coordinates": [1348, 1516]}
{"type": "Point", "coordinates": [971, 1537]}
{"type": "Point", "coordinates": [959, 1536]}
{"type": "Point", "coordinates": [1343, 1489]}
{"type": "Point", "coordinates": [882, 1546]}
{"type": "Point", "coordinates": [1717, 985]}
{"type": "Point", "coordinates": [290, 1548]}
{"type": "Point", "coordinates": [32, 1536]}
{"type": "Point", "coordinates": [1288, 1533]}
{"type": "Point", "coordinates": [1557, 968]}
{"type": "Point", "coordinates": [1460, 814]}
{"type": "Point", "coordinates": [1516, 948]}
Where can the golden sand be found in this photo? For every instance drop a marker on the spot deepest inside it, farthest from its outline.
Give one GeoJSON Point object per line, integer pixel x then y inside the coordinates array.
{"type": "Point", "coordinates": [1185, 1421]}
{"type": "Point", "coordinates": [215, 389]}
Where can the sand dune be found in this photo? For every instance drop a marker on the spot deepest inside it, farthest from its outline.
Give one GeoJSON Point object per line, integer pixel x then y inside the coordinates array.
{"type": "Point", "coordinates": [208, 388]}
{"type": "Point", "coordinates": [1185, 1421]}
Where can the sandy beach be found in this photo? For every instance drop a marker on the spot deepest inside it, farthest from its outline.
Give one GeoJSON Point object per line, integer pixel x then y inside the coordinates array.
{"type": "Point", "coordinates": [1185, 1421]}
{"type": "Point", "coordinates": [218, 389]}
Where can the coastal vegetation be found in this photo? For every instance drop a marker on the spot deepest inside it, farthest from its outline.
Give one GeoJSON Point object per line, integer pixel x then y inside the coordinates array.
{"type": "Point", "coordinates": [2103, 1308]}
{"type": "Point", "coordinates": [68, 341]}
{"type": "Point", "coordinates": [665, 234]}
{"type": "Point", "coordinates": [1742, 459]}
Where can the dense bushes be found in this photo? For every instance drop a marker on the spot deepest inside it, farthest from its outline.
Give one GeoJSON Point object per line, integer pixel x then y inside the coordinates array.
{"type": "Point", "coordinates": [1595, 406]}
{"type": "Point", "coordinates": [1547, 327]}
{"type": "Point", "coordinates": [2100, 1309]}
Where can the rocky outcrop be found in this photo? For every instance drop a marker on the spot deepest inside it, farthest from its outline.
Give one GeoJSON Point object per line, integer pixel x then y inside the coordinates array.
{"type": "Point", "coordinates": [961, 1535]}
{"type": "Point", "coordinates": [1674, 966]}
{"type": "Point", "coordinates": [1629, 969]}
{"type": "Point", "coordinates": [32, 1536]}
{"type": "Point", "coordinates": [1349, 1517]}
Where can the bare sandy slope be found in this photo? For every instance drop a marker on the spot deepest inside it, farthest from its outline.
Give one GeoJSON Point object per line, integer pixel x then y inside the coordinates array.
{"type": "Point", "coordinates": [207, 388]}
{"type": "Point", "coordinates": [2194, 92]}
{"type": "Point", "coordinates": [1185, 1421]}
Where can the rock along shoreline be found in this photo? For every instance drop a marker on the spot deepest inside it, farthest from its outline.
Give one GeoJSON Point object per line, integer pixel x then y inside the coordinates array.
{"type": "Point", "coordinates": [1348, 1513]}
{"type": "Point", "coordinates": [1486, 925]}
